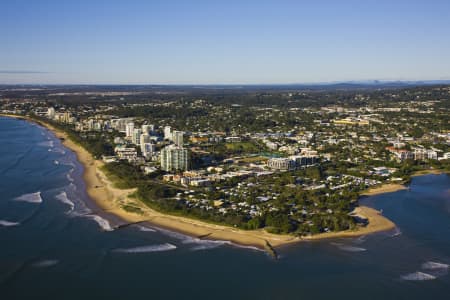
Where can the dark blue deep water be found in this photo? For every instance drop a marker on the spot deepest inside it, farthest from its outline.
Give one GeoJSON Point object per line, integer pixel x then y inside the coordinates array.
{"type": "Point", "coordinates": [55, 245]}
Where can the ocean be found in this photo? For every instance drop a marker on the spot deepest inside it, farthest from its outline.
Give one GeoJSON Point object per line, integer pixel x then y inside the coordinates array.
{"type": "Point", "coordinates": [55, 244]}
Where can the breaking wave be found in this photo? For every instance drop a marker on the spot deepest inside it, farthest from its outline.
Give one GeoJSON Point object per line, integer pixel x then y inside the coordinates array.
{"type": "Point", "coordinates": [45, 263]}
{"type": "Point", "coordinates": [69, 177]}
{"type": "Point", "coordinates": [418, 276]}
{"type": "Point", "coordinates": [431, 265]}
{"type": "Point", "coordinates": [349, 248]}
{"type": "Point", "coordinates": [47, 144]}
{"type": "Point", "coordinates": [396, 232]}
{"type": "Point", "coordinates": [8, 223]}
{"type": "Point", "coordinates": [64, 199]}
{"type": "Point", "coordinates": [31, 198]}
{"type": "Point", "coordinates": [202, 244]}
{"type": "Point", "coordinates": [208, 244]}
{"type": "Point", "coordinates": [102, 222]}
{"type": "Point", "coordinates": [146, 249]}
{"type": "Point", "coordinates": [146, 229]}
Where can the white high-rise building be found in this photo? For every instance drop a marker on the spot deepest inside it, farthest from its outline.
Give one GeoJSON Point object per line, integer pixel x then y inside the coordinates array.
{"type": "Point", "coordinates": [129, 129]}
{"type": "Point", "coordinates": [174, 158]}
{"type": "Point", "coordinates": [167, 133]}
{"type": "Point", "coordinates": [51, 113]}
{"type": "Point", "coordinates": [136, 138]}
{"type": "Point", "coordinates": [177, 137]}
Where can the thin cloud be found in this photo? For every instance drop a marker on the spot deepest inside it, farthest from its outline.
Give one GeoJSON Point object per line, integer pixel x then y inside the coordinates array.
{"type": "Point", "coordinates": [22, 72]}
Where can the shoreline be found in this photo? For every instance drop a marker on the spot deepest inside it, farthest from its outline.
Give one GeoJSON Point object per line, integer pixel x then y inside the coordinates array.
{"type": "Point", "coordinates": [111, 200]}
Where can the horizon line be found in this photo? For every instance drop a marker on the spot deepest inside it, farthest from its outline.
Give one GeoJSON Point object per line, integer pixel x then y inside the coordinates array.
{"type": "Point", "coordinates": [361, 82]}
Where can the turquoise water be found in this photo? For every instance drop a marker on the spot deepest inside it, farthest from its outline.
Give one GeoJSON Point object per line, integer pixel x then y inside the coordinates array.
{"type": "Point", "coordinates": [54, 244]}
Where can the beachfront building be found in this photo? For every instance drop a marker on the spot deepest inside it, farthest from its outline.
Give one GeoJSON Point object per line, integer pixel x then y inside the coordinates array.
{"type": "Point", "coordinates": [174, 158]}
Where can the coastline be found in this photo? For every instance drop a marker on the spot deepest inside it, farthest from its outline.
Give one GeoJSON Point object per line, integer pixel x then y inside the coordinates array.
{"type": "Point", "coordinates": [112, 200]}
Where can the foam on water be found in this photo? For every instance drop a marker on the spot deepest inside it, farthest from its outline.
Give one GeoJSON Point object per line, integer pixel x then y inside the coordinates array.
{"type": "Point", "coordinates": [431, 265]}
{"type": "Point", "coordinates": [8, 223]}
{"type": "Point", "coordinates": [102, 222]}
{"type": "Point", "coordinates": [146, 229]}
{"type": "Point", "coordinates": [31, 198]}
{"type": "Point", "coordinates": [396, 232]}
{"type": "Point", "coordinates": [45, 263]}
{"type": "Point", "coordinates": [348, 248]}
{"type": "Point", "coordinates": [69, 177]}
{"type": "Point", "coordinates": [64, 199]}
{"type": "Point", "coordinates": [202, 244]}
{"type": "Point", "coordinates": [146, 249]}
{"type": "Point", "coordinates": [46, 144]}
{"type": "Point", "coordinates": [352, 249]}
{"type": "Point", "coordinates": [360, 240]}
{"type": "Point", "coordinates": [208, 244]}
{"type": "Point", "coordinates": [418, 276]}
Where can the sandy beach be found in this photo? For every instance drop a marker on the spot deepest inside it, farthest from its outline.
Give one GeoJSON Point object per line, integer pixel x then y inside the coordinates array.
{"type": "Point", "coordinates": [112, 200]}
{"type": "Point", "coordinates": [385, 188]}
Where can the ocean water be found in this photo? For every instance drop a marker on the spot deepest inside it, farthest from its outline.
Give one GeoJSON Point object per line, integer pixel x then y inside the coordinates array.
{"type": "Point", "coordinates": [55, 244]}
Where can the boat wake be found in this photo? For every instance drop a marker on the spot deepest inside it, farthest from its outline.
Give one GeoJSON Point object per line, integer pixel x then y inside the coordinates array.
{"type": "Point", "coordinates": [8, 223]}
{"type": "Point", "coordinates": [146, 249]}
{"type": "Point", "coordinates": [31, 198]}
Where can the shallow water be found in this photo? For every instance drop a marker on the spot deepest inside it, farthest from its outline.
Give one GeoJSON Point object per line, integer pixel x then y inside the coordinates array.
{"type": "Point", "coordinates": [55, 242]}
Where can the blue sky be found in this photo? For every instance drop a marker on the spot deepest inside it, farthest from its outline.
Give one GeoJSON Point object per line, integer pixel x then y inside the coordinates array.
{"type": "Point", "coordinates": [207, 42]}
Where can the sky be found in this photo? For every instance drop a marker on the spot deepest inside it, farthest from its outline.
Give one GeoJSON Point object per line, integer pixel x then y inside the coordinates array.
{"type": "Point", "coordinates": [222, 41]}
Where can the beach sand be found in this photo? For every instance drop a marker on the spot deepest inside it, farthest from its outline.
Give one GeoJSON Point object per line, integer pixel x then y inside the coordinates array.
{"type": "Point", "coordinates": [385, 188]}
{"type": "Point", "coordinates": [112, 200]}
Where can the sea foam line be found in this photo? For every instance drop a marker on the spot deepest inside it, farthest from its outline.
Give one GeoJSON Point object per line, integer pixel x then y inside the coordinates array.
{"type": "Point", "coordinates": [145, 228]}
{"type": "Point", "coordinates": [146, 249]}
